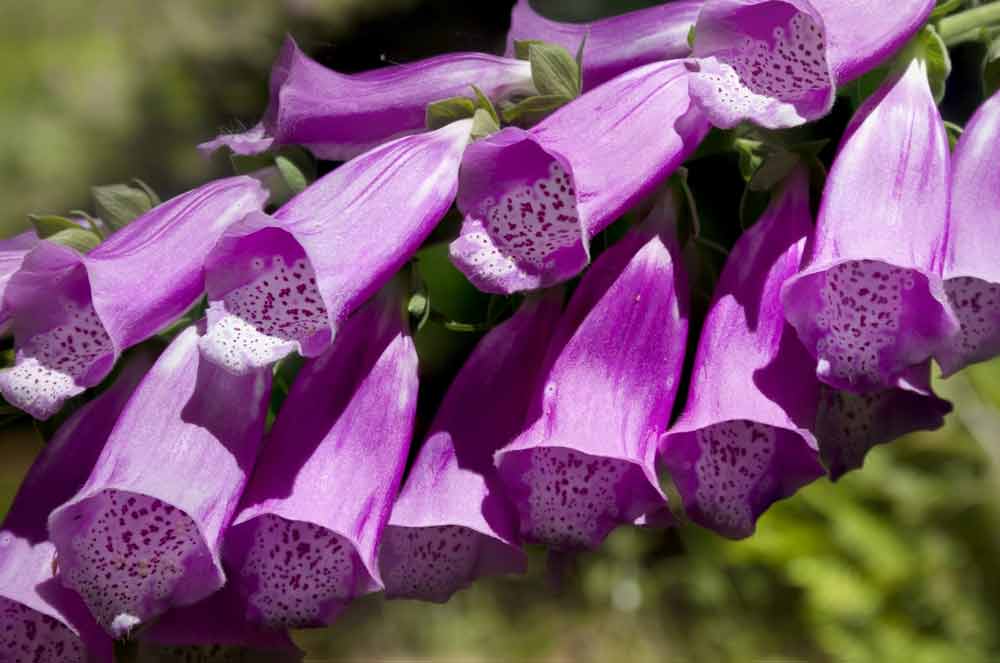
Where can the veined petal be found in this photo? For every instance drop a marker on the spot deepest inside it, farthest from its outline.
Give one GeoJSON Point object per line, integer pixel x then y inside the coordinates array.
{"type": "Point", "coordinates": [615, 44]}
{"type": "Point", "coordinates": [286, 283]}
{"type": "Point", "coordinates": [870, 302]}
{"type": "Point", "coordinates": [744, 438]}
{"type": "Point", "coordinates": [338, 116]}
{"type": "Point", "coordinates": [73, 315]}
{"type": "Point", "coordinates": [849, 425]}
{"type": "Point", "coordinates": [143, 533]}
{"type": "Point", "coordinates": [532, 199]}
{"type": "Point", "coordinates": [587, 462]}
{"type": "Point", "coordinates": [971, 269]}
{"type": "Point", "coordinates": [12, 254]}
{"type": "Point", "coordinates": [453, 522]}
{"type": "Point", "coordinates": [304, 543]}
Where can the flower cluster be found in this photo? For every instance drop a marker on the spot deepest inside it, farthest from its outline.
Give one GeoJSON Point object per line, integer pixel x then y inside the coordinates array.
{"type": "Point", "coordinates": [178, 505]}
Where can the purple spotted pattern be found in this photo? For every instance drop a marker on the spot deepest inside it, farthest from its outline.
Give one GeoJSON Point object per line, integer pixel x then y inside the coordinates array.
{"type": "Point", "coordinates": [27, 636]}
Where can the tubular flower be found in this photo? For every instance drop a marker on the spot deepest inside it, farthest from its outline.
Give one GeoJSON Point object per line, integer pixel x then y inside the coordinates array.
{"type": "Point", "coordinates": [778, 63]}
{"type": "Point", "coordinates": [971, 269]}
{"type": "Point", "coordinates": [214, 631]}
{"type": "Point", "coordinates": [73, 315]}
{"type": "Point", "coordinates": [587, 461]}
{"type": "Point", "coordinates": [39, 619]}
{"type": "Point", "coordinates": [287, 282]}
{"type": "Point", "coordinates": [12, 253]}
{"type": "Point", "coordinates": [743, 441]}
{"type": "Point", "coordinates": [532, 199]}
{"type": "Point", "coordinates": [452, 522]}
{"type": "Point", "coordinates": [869, 303]}
{"type": "Point", "coordinates": [616, 44]}
{"type": "Point", "coordinates": [304, 543]}
{"type": "Point", "coordinates": [143, 533]}
{"type": "Point", "coordinates": [338, 116]}
{"type": "Point", "coordinates": [848, 425]}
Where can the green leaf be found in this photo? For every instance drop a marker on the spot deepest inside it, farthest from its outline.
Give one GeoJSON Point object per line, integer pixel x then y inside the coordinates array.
{"type": "Point", "coordinates": [118, 205]}
{"type": "Point", "coordinates": [444, 112]}
{"type": "Point", "coordinates": [522, 48]}
{"type": "Point", "coordinates": [934, 52]}
{"type": "Point", "coordinates": [554, 71]}
{"type": "Point", "coordinates": [76, 238]}
{"type": "Point", "coordinates": [47, 225]}
{"type": "Point", "coordinates": [991, 68]}
{"type": "Point", "coordinates": [483, 124]}
{"type": "Point", "coordinates": [534, 108]}
{"type": "Point", "coordinates": [290, 172]}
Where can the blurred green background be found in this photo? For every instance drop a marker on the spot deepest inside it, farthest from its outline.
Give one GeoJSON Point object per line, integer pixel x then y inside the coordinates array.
{"type": "Point", "coordinates": [895, 563]}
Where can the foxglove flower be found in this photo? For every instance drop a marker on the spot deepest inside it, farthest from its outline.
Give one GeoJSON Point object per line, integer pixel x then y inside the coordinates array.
{"type": "Point", "coordinates": [587, 462]}
{"type": "Point", "coordinates": [338, 116]}
{"type": "Point", "coordinates": [533, 199]}
{"type": "Point", "coordinates": [870, 303]}
{"type": "Point", "coordinates": [73, 315]}
{"type": "Point", "coordinates": [213, 630]}
{"type": "Point", "coordinates": [613, 45]}
{"type": "Point", "coordinates": [452, 522]}
{"type": "Point", "coordinates": [971, 268]}
{"type": "Point", "coordinates": [39, 619]}
{"type": "Point", "coordinates": [287, 282]}
{"type": "Point", "coordinates": [12, 253]}
{"type": "Point", "coordinates": [778, 62]}
{"type": "Point", "coordinates": [143, 533]}
{"type": "Point", "coordinates": [744, 438]}
{"type": "Point", "coordinates": [849, 425]}
{"type": "Point", "coordinates": [304, 543]}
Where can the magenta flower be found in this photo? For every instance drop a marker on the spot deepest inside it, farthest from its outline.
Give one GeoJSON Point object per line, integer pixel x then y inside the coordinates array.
{"type": "Point", "coordinates": [304, 543]}
{"type": "Point", "coordinates": [744, 438]}
{"type": "Point", "coordinates": [288, 282]}
{"type": "Point", "coordinates": [849, 425]}
{"type": "Point", "coordinates": [338, 116]}
{"type": "Point", "coordinates": [143, 533]}
{"type": "Point", "coordinates": [869, 303]}
{"type": "Point", "coordinates": [778, 62]}
{"type": "Point", "coordinates": [73, 315]}
{"type": "Point", "coordinates": [971, 268]}
{"type": "Point", "coordinates": [616, 44]}
{"type": "Point", "coordinates": [587, 462]}
{"type": "Point", "coordinates": [452, 522]}
{"type": "Point", "coordinates": [40, 620]}
{"type": "Point", "coordinates": [12, 254]}
{"type": "Point", "coordinates": [533, 199]}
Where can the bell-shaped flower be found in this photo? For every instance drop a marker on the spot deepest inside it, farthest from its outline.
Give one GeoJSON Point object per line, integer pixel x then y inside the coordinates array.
{"type": "Point", "coordinates": [587, 462]}
{"type": "Point", "coordinates": [144, 532]}
{"type": "Point", "coordinates": [971, 266]}
{"type": "Point", "coordinates": [338, 116]}
{"type": "Point", "coordinates": [533, 199]}
{"type": "Point", "coordinates": [72, 314]}
{"type": "Point", "coordinates": [452, 522]}
{"type": "Point", "coordinates": [848, 425]}
{"type": "Point", "coordinates": [778, 63]}
{"type": "Point", "coordinates": [869, 302]}
{"type": "Point", "coordinates": [12, 254]}
{"type": "Point", "coordinates": [215, 629]}
{"type": "Point", "coordinates": [288, 281]}
{"type": "Point", "coordinates": [40, 620]}
{"type": "Point", "coordinates": [304, 543]}
{"type": "Point", "coordinates": [613, 45]}
{"type": "Point", "coordinates": [744, 440]}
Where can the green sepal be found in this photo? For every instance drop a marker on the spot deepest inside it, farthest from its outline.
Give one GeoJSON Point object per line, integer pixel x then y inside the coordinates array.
{"type": "Point", "coordinates": [934, 52]}
{"type": "Point", "coordinates": [76, 238]}
{"type": "Point", "coordinates": [522, 48]}
{"type": "Point", "coordinates": [991, 68]}
{"type": "Point", "coordinates": [46, 225]}
{"type": "Point", "coordinates": [533, 109]}
{"type": "Point", "coordinates": [945, 7]}
{"type": "Point", "coordinates": [292, 174]}
{"type": "Point", "coordinates": [554, 71]}
{"type": "Point", "coordinates": [483, 124]}
{"type": "Point", "coordinates": [444, 112]}
{"type": "Point", "coordinates": [691, 35]}
{"type": "Point", "coordinates": [483, 102]}
{"type": "Point", "coordinates": [118, 205]}
{"type": "Point", "coordinates": [954, 133]}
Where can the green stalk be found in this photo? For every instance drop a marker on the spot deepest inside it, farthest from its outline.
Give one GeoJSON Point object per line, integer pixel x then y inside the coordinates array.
{"type": "Point", "coordinates": [953, 28]}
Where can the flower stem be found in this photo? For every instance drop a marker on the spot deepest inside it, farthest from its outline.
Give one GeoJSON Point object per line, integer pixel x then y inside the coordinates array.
{"type": "Point", "coordinates": [953, 29]}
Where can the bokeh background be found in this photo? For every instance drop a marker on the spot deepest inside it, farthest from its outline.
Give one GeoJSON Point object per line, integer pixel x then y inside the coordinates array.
{"type": "Point", "coordinates": [900, 562]}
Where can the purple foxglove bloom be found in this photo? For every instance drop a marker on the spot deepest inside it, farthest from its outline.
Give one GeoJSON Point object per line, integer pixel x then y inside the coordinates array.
{"type": "Point", "coordinates": [73, 315]}
{"type": "Point", "coordinates": [304, 543]}
{"type": "Point", "coordinates": [971, 267]}
{"type": "Point", "coordinates": [215, 630]}
{"type": "Point", "coordinates": [849, 425]}
{"type": "Point", "coordinates": [12, 253]}
{"type": "Point", "coordinates": [587, 462]}
{"type": "Point", "coordinates": [743, 441]}
{"type": "Point", "coordinates": [778, 62]}
{"type": "Point", "coordinates": [338, 116]}
{"type": "Point", "coordinates": [869, 302]}
{"type": "Point", "coordinates": [616, 44]}
{"type": "Point", "coordinates": [287, 282]}
{"type": "Point", "coordinates": [533, 199]}
{"type": "Point", "coordinates": [40, 620]}
{"type": "Point", "coordinates": [452, 522]}
{"type": "Point", "coordinates": [143, 533]}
